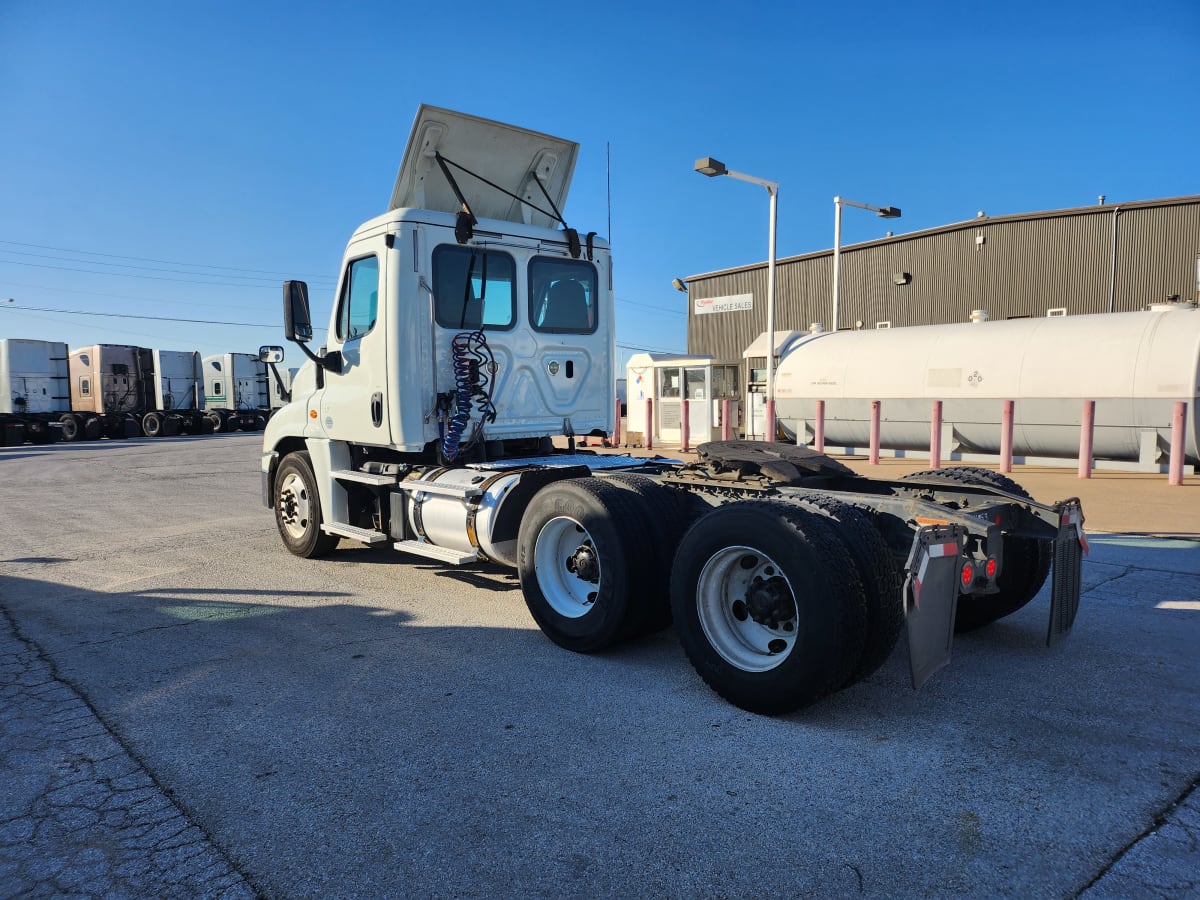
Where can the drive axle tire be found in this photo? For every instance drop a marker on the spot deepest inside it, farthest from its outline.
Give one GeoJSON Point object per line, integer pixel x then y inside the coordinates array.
{"type": "Point", "coordinates": [71, 428]}
{"type": "Point", "coordinates": [881, 580]}
{"type": "Point", "coordinates": [152, 425]}
{"type": "Point", "coordinates": [93, 429]}
{"type": "Point", "coordinates": [298, 508]}
{"type": "Point", "coordinates": [666, 531]}
{"type": "Point", "coordinates": [583, 556]}
{"type": "Point", "coordinates": [768, 605]}
{"type": "Point", "coordinates": [1026, 560]}
{"type": "Point", "coordinates": [217, 423]}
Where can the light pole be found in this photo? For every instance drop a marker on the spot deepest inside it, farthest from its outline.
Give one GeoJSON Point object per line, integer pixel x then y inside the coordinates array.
{"type": "Point", "coordinates": [884, 212]}
{"type": "Point", "coordinates": [713, 167]}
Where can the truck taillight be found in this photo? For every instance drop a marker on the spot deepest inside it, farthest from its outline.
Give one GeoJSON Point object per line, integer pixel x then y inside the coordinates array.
{"type": "Point", "coordinates": [991, 568]}
{"type": "Point", "coordinates": [968, 575]}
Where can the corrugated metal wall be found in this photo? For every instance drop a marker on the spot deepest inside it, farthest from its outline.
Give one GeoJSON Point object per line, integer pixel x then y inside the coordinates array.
{"type": "Point", "coordinates": [1024, 266]}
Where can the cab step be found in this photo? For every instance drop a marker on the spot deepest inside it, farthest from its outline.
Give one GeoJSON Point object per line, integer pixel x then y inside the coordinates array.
{"type": "Point", "coordinates": [366, 535]}
{"type": "Point", "coordinates": [432, 551]}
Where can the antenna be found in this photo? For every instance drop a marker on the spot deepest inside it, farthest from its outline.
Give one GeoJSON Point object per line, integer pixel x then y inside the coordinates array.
{"type": "Point", "coordinates": [608, 186]}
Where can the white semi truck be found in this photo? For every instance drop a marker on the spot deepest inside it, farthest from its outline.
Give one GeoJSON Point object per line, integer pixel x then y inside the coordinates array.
{"type": "Point", "coordinates": [471, 326]}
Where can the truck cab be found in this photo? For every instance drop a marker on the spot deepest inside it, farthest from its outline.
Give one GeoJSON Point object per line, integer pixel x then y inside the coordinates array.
{"type": "Point", "coordinates": [465, 324]}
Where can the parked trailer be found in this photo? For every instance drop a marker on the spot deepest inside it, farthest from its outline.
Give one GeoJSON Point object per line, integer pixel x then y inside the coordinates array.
{"type": "Point", "coordinates": [237, 391]}
{"type": "Point", "coordinates": [135, 390]}
{"type": "Point", "coordinates": [467, 331]}
{"type": "Point", "coordinates": [34, 391]}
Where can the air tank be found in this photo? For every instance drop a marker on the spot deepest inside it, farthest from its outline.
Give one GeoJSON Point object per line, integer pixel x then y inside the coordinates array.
{"type": "Point", "coordinates": [1134, 365]}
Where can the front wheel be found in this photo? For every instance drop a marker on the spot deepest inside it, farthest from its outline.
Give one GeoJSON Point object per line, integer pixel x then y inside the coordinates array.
{"type": "Point", "coordinates": [298, 508]}
{"type": "Point", "coordinates": [768, 605]}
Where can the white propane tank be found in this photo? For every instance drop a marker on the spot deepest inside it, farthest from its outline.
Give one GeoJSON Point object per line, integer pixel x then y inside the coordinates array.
{"type": "Point", "coordinates": [1135, 365]}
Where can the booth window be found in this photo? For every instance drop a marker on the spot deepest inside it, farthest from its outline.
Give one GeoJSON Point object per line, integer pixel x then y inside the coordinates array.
{"type": "Point", "coordinates": [668, 384]}
{"type": "Point", "coordinates": [562, 295]}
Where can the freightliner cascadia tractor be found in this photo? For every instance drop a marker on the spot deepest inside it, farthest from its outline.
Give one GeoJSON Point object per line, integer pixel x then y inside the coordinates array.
{"type": "Point", "coordinates": [471, 326]}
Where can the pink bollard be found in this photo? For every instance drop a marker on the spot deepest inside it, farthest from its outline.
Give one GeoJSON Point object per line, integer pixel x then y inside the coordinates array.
{"type": "Point", "coordinates": [649, 424]}
{"type": "Point", "coordinates": [726, 425]}
{"type": "Point", "coordinates": [770, 419]}
{"type": "Point", "coordinates": [935, 436]}
{"type": "Point", "coordinates": [874, 455]}
{"type": "Point", "coordinates": [819, 428]}
{"type": "Point", "coordinates": [1086, 429]}
{"type": "Point", "coordinates": [685, 424]}
{"type": "Point", "coordinates": [1006, 437]}
{"type": "Point", "coordinates": [616, 438]}
{"type": "Point", "coordinates": [1178, 429]}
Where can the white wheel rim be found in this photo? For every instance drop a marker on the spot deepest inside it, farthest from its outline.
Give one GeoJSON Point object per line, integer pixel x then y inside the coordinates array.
{"type": "Point", "coordinates": [722, 592]}
{"type": "Point", "coordinates": [295, 505]}
{"type": "Point", "coordinates": [561, 541]}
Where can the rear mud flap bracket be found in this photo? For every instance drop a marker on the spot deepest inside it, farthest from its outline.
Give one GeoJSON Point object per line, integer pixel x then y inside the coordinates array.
{"type": "Point", "coordinates": [931, 597]}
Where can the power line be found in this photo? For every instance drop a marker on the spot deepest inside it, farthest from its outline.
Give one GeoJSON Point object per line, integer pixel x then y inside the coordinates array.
{"type": "Point", "coordinates": [165, 262]}
{"type": "Point", "coordinates": [648, 349]}
{"type": "Point", "coordinates": [81, 312]}
{"type": "Point", "coordinates": [17, 262]}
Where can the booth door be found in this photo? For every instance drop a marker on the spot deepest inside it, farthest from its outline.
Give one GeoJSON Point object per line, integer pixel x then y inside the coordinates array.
{"type": "Point", "coordinates": [697, 393]}
{"type": "Point", "coordinates": [667, 411]}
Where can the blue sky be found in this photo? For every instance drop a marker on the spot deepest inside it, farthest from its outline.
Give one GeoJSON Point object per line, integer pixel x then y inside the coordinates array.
{"type": "Point", "coordinates": [173, 160]}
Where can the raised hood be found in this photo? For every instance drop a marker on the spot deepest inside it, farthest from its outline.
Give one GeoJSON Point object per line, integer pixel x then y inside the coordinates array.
{"type": "Point", "coordinates": [503, 154]}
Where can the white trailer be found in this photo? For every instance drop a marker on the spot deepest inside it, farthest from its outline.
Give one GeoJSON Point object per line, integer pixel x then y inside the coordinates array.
{"type": "Point", "coordinates": [468, 330]}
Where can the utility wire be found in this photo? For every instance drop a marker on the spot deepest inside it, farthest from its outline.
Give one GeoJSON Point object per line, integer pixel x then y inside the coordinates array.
{"type": "Point", "coordinates": [81, 312]}
{"type": "Point", "coordinates": [166, 262]}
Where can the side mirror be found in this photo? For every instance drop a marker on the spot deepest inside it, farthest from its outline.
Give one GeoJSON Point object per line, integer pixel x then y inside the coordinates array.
{"type": "Point", "coordinates": [270, 355]}
{"type": "Point", "coordinates": [297, 324]}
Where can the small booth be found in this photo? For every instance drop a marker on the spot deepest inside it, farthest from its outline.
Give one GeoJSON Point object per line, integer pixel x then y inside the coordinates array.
{"type": "Point", "coordinates": [670, 381]}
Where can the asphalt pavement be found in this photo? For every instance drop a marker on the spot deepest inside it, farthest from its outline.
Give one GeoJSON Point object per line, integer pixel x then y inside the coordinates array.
{"type": "Point", "coordinates": [187, 710]}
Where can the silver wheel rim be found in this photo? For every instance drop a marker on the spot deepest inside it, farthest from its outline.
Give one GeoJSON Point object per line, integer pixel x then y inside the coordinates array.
{"type": "Point", "coordinates": [295, 506]}
{"type": "Point", "coordinates": [560, 546]}
{"type": "Point", "coordinates": [734, 580]}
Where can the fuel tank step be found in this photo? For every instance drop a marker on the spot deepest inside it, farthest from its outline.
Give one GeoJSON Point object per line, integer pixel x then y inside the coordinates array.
{"type": "Point", "coordinates": [432, 551]}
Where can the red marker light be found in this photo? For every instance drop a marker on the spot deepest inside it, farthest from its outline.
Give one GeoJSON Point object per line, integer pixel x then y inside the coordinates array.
{"type": "Point", "coordinates": [968, 574]}
{"type": "Point", "coordinates": [991, 568]}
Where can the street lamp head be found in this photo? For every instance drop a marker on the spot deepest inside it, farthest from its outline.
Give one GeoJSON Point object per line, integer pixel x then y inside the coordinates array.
{"type": "Point", "coordinates": [710, 167]}
{"type": "Point", "coordinates": [889, 212]}
{"type": "Point", "coordinates": [680, 285]}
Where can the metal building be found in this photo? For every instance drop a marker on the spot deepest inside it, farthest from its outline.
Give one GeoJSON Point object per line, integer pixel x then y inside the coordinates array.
{"type": "Point", "coordinates": [1093, 259]}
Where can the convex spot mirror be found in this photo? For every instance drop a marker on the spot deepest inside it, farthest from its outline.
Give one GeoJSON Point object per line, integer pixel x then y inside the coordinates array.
{"type": "Point", "coordinates": [270, 354]}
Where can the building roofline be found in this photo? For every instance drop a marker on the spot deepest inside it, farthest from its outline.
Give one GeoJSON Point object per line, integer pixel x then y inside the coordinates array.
{"type": "Point", "coordinates": [1098, 209]}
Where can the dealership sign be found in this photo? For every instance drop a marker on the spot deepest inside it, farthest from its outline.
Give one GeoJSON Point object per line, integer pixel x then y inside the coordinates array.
{"type": "Point", "coordinates": [732, 303]}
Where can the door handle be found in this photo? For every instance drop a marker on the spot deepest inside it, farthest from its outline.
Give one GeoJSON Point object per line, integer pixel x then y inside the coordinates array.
{"type": "Point", "coordinates": [377, 408]}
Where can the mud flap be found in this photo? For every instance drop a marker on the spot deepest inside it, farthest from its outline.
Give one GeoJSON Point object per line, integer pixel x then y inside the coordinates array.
{"type": "Point", "coordinates": [931, 597]}
{"type": "Point", "coordinates": [1067, 577]}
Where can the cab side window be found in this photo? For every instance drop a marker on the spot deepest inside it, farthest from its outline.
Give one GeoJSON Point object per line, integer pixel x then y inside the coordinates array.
{"type": "Point", "coordinates": [359, 303]}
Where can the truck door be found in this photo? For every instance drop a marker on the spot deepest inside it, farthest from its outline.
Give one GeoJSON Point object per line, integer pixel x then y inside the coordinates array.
{"type": "Point", "coordinates": [352, 404]}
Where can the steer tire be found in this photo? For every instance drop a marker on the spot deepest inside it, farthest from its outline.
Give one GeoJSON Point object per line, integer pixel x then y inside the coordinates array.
{"type": "Point", "coordinates": [584, 560]}
{"type": "Point", "coordinates": [298, 508]}
{"type": "Point", "coordinates": [666, 526]}
{"type": "Point", "coordinates": [1026, 561]}
{"type": "Point", "coordinates": [740, 572]}
{"type": "Point", "coordinates": [881, 580]}
{"type": "Point", "coordinates": [152, 425]}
